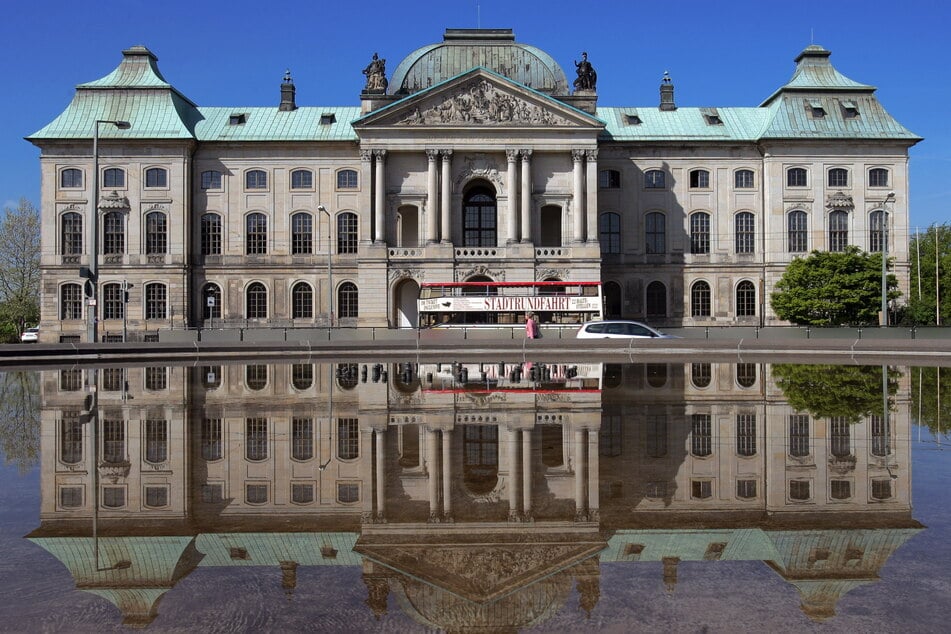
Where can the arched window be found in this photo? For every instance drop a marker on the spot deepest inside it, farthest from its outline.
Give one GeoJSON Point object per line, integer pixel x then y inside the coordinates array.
{"type": "Point", "coordinates": [701, 435]}
{"type": "Point", "coordinates": [302, 179]}
{"type": "Point", "coordinates": [656, 300]}
{"type": "Point", "coordinates": [302, 438]}
{"type": "Point", "coordinates": [256, 234]}
{"type": "Point", "coordinates": [797, 177]}
{"type": "Point", "coordinates": [656, 374]}
{"type": "Point", "coordinates": [156, 177]}
{"type": "Point", "coordinates": [347, 179]}
{"type": "Point", "coordinates": [210, 234]}
{"type": "Point", "coordinates": [113, 177]}
{"type": "Point", "coordinates": [211, 179]}
{"type": "Point", "coordinates": [799, 435]}
{"type": "Point", "coordinates": [156, 441]}
{"type": "Point", "coordinates": [480, 464]}
{"type": "Point", "coordinates": [796, 235]}
{"type": "Point", "coordinates": [700, 299]}
{"type": "Point", "coordinates": [256, 298]}
{"type": "Point", "coordinates": [743, 179]}
{"type": "Point", "coordinates": [255, 376]}
{"type": "Point", "coordinates": [71, 178]}
{"type": "Point", "coordinates": [71, 242]}
{"type": "Point", "coordinates": [609, 229]}
{"type": "Point", "coordinates": [699, 179]}
{"type": "Point", "coordinates": [876, 231]}
{"type": "Point", "coordinates": [348, 438]}
{"type": "Point", "coordinates": [347, 233]}
{"type": "Point", "coordinates": [746, 374]}
{"type": "Point", "coordinates": [609, 179]}
{"type": "Point", "coordinates": [878, 177]}
{"type": "Point", "coordinates": [302, 233]}
{"type": "Point", "coordinates": [701, 374]}
{"type": "Point", "coordinates": [744, 232]}
{"type": "Point", "coordinates": [479, 217]}
{"type": "Point", "coordinates": [113, 231]}
{"type": "Point", "coordinates": [840, 435]}
{"type": "Point", "coordinates": [838, 231]}
{"type": "Point", "coordinates": [255, 179]}
{"type": "Point", "coordinates": [347, 300]}
{"type": "Point", "coordinates": [655, 232]}
{"type": "Point", "coordinates": [113, 304]}
{"type": "Point", "coordinates": [71, 439]}
{"type": "Point", "coordinates": [255, 435]}
{"type": "Point", "coordinates": [302, 376]}
{"type": "Point", "coordinates": [838, 177]}
{"type": "Point", "coordinates": [211, 300]}
{"type": "Point", "coordinates": [156, 233]}
{"type": "Point", "coordinates": [745, 299]}
{"type": "Point", "coordinates": [746, 434]}
{"type": "Point", "coordinates": [302, 301]}
{"type": "Point", "coordinates": [700, 232]}
{"type": "Point", "coordinates": [156, 301]}
{"type": "Point", "coordinates": [71, 301]}
{"type": "Point", "coordinates": [655, 179]}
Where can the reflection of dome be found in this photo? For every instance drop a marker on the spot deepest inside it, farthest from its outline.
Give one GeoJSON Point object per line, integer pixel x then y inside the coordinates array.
{"type": "Point", "coordinates": [464, 49]}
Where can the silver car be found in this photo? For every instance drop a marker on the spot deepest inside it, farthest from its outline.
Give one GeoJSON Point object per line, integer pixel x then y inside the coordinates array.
{"type": "Point", "coordinates": [618, 329]}
{"type": "Point", "coordinates": [30, 335]}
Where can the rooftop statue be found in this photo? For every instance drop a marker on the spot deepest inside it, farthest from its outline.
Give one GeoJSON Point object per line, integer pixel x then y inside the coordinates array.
{"type": "Point", "coordinates": [376, 75]}
{"type": "Point", "coordinates": [587, 77]}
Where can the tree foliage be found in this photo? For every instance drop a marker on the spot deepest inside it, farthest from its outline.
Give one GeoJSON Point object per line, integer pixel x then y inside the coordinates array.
{"type": "Point", "coordinates": [926, 280]}
{"type": "Point", "coordinates": [847, 391]}
{"type": "Point", "coordinates": [831, 289]}
{"type": "Point", "coordinates": [20, 266]}
{"type": "Point", "coordinates": [20, 418]}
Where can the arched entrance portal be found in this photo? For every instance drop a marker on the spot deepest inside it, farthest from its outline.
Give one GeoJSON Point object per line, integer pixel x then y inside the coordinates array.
{"type": "Point", "coordinates": [406, 311]}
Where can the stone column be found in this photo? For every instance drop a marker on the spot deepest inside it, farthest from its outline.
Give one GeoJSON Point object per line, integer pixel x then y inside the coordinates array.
{"type": "Point", "coordinates": [591, 203]}
{"type": "Point", "coordinates": [432, 197]}
{"type": "Point", "coordinates": [526, 195]}
{"type": "Point", "coordinates": [594, 482]}
{"type": "Point", "coordinates": [365, 196]}
{"type": "Point", "coordinates": [379, 194]}
{"type": "Point", "coordinates": [432, 471]}
{"type": "Point", "coordinates": [446, 203]}
{"type": "Point", "coordinates": [446, 475]}
{"type": "Point", "coordinates": [366, 472]}
{"type": "Point", "coordinates": [512, 220]}
{"type": "Point", "coordinates": [527, 473]}
{"type": "Point", "coordinates": [380, 476]}
{"type": "Point", "coordinates": [577, 159]}
{"type": "Point", "coordinates": [513, 474]}
{"type": "Point", "coordinates": [579, 475]}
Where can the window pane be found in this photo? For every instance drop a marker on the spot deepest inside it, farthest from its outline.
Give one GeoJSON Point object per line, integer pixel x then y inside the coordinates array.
{"type": "Point", "coordinates": [156, 233]}
{"type": "Point", "coordinates": [743, 179]}
{"type": "Point", "coordinates": [211, 179]}
{"type": "Point", "coordinates": [797, 237]}
{"type": "Point", "coordinates": [302, 234]}
{"type": "Point", "coordinates": [700, 233]}
{"type": "Point", "coordinates": [745, 232]}
{"type": "Point", "coordinates": [302, 179]}
{"type": "Point", "coordinates": [211, 234]}
{"type": "Point", "coordinates": [156, 177]}
{"type": "Point", "coordinates": [113, 177]}
{"type": "Point", "coordinates": [255, 179]}
{"type": "Point", "coordinates": [700, 300]}
{"type": "Point", "coordinates": [346, 179]}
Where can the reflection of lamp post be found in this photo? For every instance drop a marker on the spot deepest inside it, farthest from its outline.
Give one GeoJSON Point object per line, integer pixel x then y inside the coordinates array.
{"type": "Point", "coordinates": [884, 319]}
{"type": "Point", "coordinates": [330, 275]}
{"type": "Point", "coordinates": [91, 312]}
{"type": "Point", "coordinates": [330, 421]}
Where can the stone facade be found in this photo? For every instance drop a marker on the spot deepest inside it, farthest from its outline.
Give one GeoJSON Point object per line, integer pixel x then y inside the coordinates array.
{"type": "Point", "coordinates": [301, 217]}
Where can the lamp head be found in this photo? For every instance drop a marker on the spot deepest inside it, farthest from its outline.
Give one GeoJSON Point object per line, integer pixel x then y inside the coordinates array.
{"type": "Point", "coordinates": [123, 125]}
{"type": "Point", "coordinates": [890, 196]}
{"type": "Point", "coordinates": [321, 208]}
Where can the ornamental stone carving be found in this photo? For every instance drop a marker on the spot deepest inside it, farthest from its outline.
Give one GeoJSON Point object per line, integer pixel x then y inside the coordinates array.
{"type": "Point", "coordinates": [553, 274]}
{"type": "Point", "coordinates": [482, 271]}
{"type": "Point", "coordinates": [840, 200]}
{"type": "Point", "coordinates": [481, 102]}
{"type": "Point", "coordinates": [398, 275]}
{"type": "Point", "coordinates": [479, 166]}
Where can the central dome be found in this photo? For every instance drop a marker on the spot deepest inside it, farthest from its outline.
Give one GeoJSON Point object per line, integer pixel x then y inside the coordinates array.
{"type": "Point", "coordinates": [464, 49]}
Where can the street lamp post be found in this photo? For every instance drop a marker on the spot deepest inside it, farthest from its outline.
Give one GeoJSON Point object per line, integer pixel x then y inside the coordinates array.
{"type": "Point", "coordinates": [93, 286]}
{"type": "Point", "coordinates": [884, 319]}
{"type": "Point", "coordinates": [330, 274]}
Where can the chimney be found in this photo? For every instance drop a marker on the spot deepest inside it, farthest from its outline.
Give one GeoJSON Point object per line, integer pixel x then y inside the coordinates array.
{"type": "Point", "coordinates": [667, 94]}
{"type": "Point", "coordinates": [287, 94]}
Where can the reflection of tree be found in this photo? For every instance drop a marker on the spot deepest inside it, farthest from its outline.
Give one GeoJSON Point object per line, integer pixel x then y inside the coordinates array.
{"type": "Point", "coordinates": [929, 387]}
{"type": "Point", "coordinates": [848, 391]}
{"type": "Point", "coordinates": [19, 418]}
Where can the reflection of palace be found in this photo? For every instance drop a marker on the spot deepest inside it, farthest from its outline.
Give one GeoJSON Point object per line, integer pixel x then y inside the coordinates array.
{"type": "Point", "coordinates": [475, 494]}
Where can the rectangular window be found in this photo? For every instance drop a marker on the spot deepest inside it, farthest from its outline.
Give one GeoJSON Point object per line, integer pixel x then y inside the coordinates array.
{"type": "Point", "coordinates": [701, 436]}
{"type": "Point", "coordinates": [656, 435]}
{"type": "Point", "coordinates": [701, 489]}
{"type": "Point", "coordinates": [256, 438]}
{"type": "Point", "coordinates": [348, 438]}
{"type": "Point", "coordinates": [155, 301]}
{"type": "Point", "coordinates": [746, 434]}
{"type": "Point", "coordinates": [156, 497]}
{"type": "Point", "coordinates": [302, 438]}
{"type": "Point", "coordinates": [798, 435]}
{"type": "Point", "coordinates": [841, 441]}
{"type": "Point", "coordinates": [156, 441]}
{"type": "Point", "coordinates": [211, 440]}
{"type": "Point", "coordinates": [71, 301]}
{"type": "Point", "coordinates": [746, 489]}
{"type": "Point", "coordinates": [113, 441]}
{"type": "Point", "coordinates": [211, 234]}
{"type": "Point", "coordinates": [302, 492]}
{"type": "Point", "coordinates": [156, 378]}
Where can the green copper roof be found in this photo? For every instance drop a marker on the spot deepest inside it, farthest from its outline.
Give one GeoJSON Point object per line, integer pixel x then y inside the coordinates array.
{"type": "Point", "coordinates": [269, 549]}
{"type": "Point", "coordinates": [683, 124]}
{"type": "Point", "coordinates": [271, 124]}
{"type": "Point", "coordinates": [814, 72]}
{"type": "Point", "coordinates": [138, 69]}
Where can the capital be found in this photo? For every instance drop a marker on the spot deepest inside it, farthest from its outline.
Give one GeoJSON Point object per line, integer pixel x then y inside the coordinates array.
{"type": "Point", "coordinates": [577, 155]}
{"type": "Point", "coordinates": [446, 153]}
{"type": "Point", "coordinates": [511, 155]}
{"type": "Point", "coordinates": [379, 154]}
{"type": "Point", "coordinates": [592, 155]}
{"type": "Point", "coordinates": [432, 155]}
{"type": "Point", "coordinates": [366, 155]}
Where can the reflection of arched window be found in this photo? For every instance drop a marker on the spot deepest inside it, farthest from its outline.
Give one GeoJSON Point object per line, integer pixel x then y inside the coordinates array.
{"type": "Point", "coordinates": [841, 444]}
{"type": "Point", "coordinates": [700, 299]}
{"type": "Point", "coordinates": [348, 438]}
{"type": "Point", "coordinates": [656, 300]}
{"type": "Point", "coordinates": [881, 445]}
{"type": "Point", "coordinates": [409, 446]}
{"type": "Point", "coordinates": [71, 439]}
{"type": "Point", "coordinates": [700, 374]}
{"type": "Point", "coordinates": [211, 300]}
{"type": "Point", "coordinates": [701, 435]}
{"type": "Point", "coordinates": [480, 444]}
{"type": "Point", "coordinates": [656, 374]}
{"type": "Point", "coordinates": [611, 375]}
{"type": "Point", "coordinates": [255, 434]}
{"type": "Point", "coordinates": [609, 231]}
{"type": "Point", "coordinates": [798, 435]}
{"type": "Point", "coordinates": [256, 376]}
{"type": "Point", "coordinates": [746, 374]}
{"type": "Point", "coordinates": [479, 218]}
{"type": "Point", "coordinates": [302, 375]}
{"type": "Point", "coordinates": [746, 434]}
{"type": "Point", "coordinates": [347, 375]}
{"type": "Point", "coordinates": [156, 441]}
{"type": "Point", "coordinates": [302, 438]}
{"type": "Point", "coordinates": [552, 455]}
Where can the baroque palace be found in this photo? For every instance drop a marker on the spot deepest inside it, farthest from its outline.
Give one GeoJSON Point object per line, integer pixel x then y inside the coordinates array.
{"type": "Point", "coordinates": [476, 159]}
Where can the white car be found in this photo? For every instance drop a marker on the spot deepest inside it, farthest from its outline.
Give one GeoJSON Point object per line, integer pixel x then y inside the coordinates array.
{"type": "Point", "coordinates": [30, 335]}
{"type": "Point", "coordinates": [619, 329]}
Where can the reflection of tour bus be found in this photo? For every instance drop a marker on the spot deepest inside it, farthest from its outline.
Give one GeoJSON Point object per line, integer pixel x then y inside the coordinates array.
{"type": "Point", "coordinates": [510, 377]}
{"type": "Point", "coordinates": [462, 304]}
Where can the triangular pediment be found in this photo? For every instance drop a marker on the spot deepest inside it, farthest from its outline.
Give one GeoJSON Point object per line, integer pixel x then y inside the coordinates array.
{"type": "Point", "coordinates": [480, 98]}
{"type": "Point", "coordinates": [485, 571]}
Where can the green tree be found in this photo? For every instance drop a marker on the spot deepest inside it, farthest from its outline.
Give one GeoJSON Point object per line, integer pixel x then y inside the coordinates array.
{"type": "Point", "coordinates": [20, 266]}
{"type": "Point", "coordinates": [825, 391]}
{"type": "Point", "coordinates": [926, 280]}
{"type": "Point", "coordinates": [830, 289]}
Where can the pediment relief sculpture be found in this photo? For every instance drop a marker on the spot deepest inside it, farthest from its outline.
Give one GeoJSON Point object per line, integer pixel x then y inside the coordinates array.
{"type": "Point", "coordinates": [481, 102]}
{"type": "Point", "coordinates": [839, 200]}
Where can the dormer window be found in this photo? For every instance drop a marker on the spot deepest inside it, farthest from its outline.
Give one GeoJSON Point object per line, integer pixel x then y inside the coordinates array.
{"type": "Point", "coordinates": [711, 116]}
{"type": "Point", "coordinates": [632, 118]}
{"type": "Point", "coordinates": [238, 119]}
{"type": "Point", "coordinates": [816, 109]}
{"type": "Point", "coordinates": [327, 118]}
{"type": "Point", "coordinates": [850, 110]}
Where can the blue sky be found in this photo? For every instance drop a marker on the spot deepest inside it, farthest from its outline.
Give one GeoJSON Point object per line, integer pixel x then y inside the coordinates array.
{"type": "Point", "coordinates": [234, 53]}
